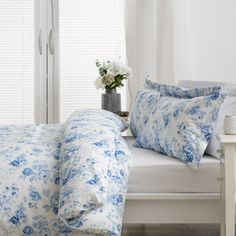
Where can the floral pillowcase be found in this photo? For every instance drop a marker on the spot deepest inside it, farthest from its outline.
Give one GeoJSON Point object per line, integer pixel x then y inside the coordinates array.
{"type": "Point", "coordinates": [144, 102]}
{"type": "Point", "coordinates": [181, 122]}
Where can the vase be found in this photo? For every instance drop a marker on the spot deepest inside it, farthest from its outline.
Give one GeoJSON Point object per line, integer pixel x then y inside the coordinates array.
{"type": "Point", "coordinates": [111, 101]}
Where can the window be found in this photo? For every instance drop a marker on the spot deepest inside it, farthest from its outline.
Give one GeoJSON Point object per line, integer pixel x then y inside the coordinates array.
{"type": "Point", "coordinates": [88, 30]}
{"type": "Point", "coordinates": [48, 50]}
{"type": "Point", "coordinates": [17, 61]}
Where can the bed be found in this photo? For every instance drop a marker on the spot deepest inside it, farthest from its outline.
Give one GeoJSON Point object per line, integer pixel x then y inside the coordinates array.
{"type": "Point", "coordinates": [39, 183]}
{"type": "Point", "coordinates": [160, 190]}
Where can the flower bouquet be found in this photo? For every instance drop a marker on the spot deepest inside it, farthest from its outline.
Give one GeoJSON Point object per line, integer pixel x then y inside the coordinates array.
{"type": "Point", "coordinates": [111, 76]}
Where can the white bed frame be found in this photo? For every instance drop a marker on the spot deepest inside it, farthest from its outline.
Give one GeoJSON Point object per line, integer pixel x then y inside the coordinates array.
{"type": "Point", "coordinates": [172, 208]}
{"type": "Point", "coordinates": [190, 208]}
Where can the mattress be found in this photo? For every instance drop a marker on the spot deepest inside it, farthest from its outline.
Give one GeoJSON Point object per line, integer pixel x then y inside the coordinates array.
{"type": "Point", "coordinates": [153, 172]}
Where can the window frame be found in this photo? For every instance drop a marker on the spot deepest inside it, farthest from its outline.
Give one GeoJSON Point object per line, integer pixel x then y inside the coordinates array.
{"type": "Point", "coordinates": [44, 45]}
{"type": "Point", "coordinates": [47, 102]}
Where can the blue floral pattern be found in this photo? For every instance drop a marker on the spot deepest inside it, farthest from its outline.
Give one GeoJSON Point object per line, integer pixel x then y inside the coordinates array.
{"type": "Point", "coordinates": [145, 99]}
{"type": "Point", "coordinates": [91, 154]}
{"type": "Point", "coordinates": [36, 176]}
{"type": "Point", "coordinates": [181, 123]}
{"type": "Point", "coordinates": [29, 179]}
{"type": "Point", "coordinates": [179, 92]}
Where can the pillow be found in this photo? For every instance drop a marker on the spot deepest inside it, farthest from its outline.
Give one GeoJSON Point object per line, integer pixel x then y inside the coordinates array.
{"type": "Point", "coordinates": [151, 84]}
{"type": "Point", "coordinates": [180, 92]}
{"type": "Point", "coordinates": [181, 124]}
{"type": "Point", "coordinates": [144, 102]}
{"type": "Point", "coordinates": [228, 107]}
{"type": "Point", "coordinates": [229, 87]}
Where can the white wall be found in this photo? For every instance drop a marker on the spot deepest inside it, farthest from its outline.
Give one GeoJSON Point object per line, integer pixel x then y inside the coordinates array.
{"type": "Point", "coordinates": [212, 30]}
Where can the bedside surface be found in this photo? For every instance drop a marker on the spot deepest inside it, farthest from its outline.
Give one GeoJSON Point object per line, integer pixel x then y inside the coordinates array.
{"type": "Point", "coordinates": [226, 138]}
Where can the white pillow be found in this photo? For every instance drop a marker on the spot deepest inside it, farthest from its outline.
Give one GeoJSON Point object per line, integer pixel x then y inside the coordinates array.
{"type": "Point", "coordinates": [228, 107]}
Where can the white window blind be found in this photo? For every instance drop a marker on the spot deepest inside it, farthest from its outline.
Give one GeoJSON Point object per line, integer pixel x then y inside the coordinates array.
{"type": "Point", "coordinates": [16, 61]}
{"type": "Point", "coordinates": [88, 30]}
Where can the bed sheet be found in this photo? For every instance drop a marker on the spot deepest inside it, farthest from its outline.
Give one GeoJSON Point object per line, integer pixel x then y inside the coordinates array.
{"type": "Point", "coordinates": [153, 172]}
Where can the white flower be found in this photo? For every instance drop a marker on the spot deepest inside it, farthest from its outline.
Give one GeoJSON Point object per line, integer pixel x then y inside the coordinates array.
{"type": "Point", "coordinates": [99, 83]}
{"type": "Point", "coordinates": [119, 68]}
{"type": "Point", "coordinates": [108, 79]}
{"type": "Point", "coordinates": [108, 71]}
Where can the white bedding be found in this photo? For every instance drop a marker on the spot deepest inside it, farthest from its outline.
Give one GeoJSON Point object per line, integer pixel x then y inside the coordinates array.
{"type": "Point", "coordinates": [153, 172]}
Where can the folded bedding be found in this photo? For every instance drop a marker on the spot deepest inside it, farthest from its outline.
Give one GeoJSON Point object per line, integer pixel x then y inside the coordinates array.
{"type": "Point", "coordinates": [66, 179]}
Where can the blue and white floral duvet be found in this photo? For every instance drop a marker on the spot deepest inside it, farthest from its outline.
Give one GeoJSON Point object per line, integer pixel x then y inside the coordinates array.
{"type": "Point", "coordinates": [66, 179]}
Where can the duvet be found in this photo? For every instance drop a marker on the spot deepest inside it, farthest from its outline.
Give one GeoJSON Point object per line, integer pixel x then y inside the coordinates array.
{"type": "Point", "coordinates": [68, 179]}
